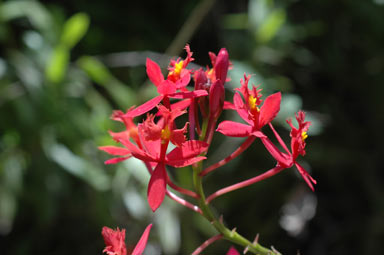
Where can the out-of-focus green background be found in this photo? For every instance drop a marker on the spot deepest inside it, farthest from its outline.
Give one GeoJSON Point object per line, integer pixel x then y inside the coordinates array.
{"type": "Point", "coordinates": [65, 65]}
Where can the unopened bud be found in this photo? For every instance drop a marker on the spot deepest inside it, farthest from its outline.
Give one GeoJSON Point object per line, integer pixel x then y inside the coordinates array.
{"type": "Point", "coordinates": [216, 99]}
{"type": "Point", "coordinates": [200, 79]}
{"type": "Point", "coordinates": [221, 65]}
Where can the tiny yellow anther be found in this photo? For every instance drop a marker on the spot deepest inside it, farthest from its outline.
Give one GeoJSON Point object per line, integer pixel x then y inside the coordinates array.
{"type": "Point", "coordinates": [252, 102]}
{"type": "Point", "coordinates": [178, 67]}
{"type": "Point", "coordinates": [133, 132]}
{"type": "Point", "coordinates": [165, 133]}
{"type": "Point", "coordinates": [304, 135]}
{"type": "Point", "coordinates": [210, 72]}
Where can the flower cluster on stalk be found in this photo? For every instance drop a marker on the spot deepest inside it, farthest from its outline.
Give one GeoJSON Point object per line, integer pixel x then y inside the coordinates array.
{"type": "Point", "coordinates": [150, 139]}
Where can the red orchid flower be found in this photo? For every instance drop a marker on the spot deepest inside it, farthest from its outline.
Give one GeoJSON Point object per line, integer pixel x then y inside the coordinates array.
{"type": "Point", "coordinates": [298, 136]}
{"type": "Point", "coordinates": [115, 241]}
{"type": "Point", "coordinates": [131, 132]}
{"type": "Point", "coordinates": [151, 147]}
{"type": "Point", "coordinates": [177, 69]}
{"type": "Point", "coordinates": [156, 138]}
{"type": "Point", "coordinates": [177, 79]}
{"type": "Point", "coordinates": [250, 112]}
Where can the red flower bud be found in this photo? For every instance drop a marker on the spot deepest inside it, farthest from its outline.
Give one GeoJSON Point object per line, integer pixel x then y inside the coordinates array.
{"type": "Point", "coordinates": [216, 98]}
{"type": "Point", "coordinates": [201, 80]}
{"type": "Point", "coordinates": [221, 65]}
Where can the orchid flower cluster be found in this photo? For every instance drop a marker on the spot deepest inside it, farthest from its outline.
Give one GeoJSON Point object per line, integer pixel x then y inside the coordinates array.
{"type": "Point", "coordinates": [150, 139]}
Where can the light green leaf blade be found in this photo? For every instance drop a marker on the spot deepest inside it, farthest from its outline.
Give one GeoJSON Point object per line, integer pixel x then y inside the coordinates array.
{"type": "Point", "coordinates": [57, 65]}
{"type": "Point", "coordinates": [74, 29]}
{"type": "Point", "coordinates": [271, 26]}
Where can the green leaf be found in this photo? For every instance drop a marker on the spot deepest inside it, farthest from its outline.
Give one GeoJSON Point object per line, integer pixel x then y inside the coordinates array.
{"type": "Point", "coordinates": [58, 64]}
{"type": "Point", "coordinates": [123, 95]}
{"type": "Point", "coordinates": [74, 29]}
{"type": "Point", "coordinates": [95, 69]}
{"type": "Point", "coordinates": [271, 26]}
{"type": "Point", "coordinates": [76, 165]}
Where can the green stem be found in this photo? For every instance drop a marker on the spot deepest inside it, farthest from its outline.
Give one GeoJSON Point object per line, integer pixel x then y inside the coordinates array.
{"type": "Point", "coordinates": [189, 27]}
{"type": "Point", "coordinates": [230, 235]}
{"type": "Point", "coordinates": [204, 127]}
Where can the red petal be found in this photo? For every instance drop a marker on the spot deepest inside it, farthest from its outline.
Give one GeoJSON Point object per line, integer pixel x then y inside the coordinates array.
{"type": "Point", "coordinates": [166, 88]}
{"type": "Point", "coordinates": [187, 150]}
{"type": "Point", "coordinates": [235, 129]}
{"type": "Point", "coordinates": [228, 106]}
{"type": "Point", "coordinates": [181, 105]}
{"type": "Point", "coordinates": [154, 72]}
{"type": "Point", "coordinates": [284, 159]}
{"type": "Point", "coordinates": [258, 134]}
{"type": "Point", "coordinates": [177, 136]}
{"type": "Point", "coordinates": [157, 187]}
{"type": "Point", "coordinates": [184, 80]}
{"type": "Point", "coordinates": [212, 56]}
{"type": "Point", "coordinates": [232, 251]}
{"type": "Point", "coordinates": [115, 160]}
{"type": "Point", "coordinates": [152, 147]}
{"type": "Point", "coordinates": [124, 135]}
{"type": "Point", "coordinates": [114, 150]}
{"type": "Point", "coordinates": [138, 153]}
{"type": "Point", "coordinates": [269, 109]}
{"type": "Point", "coordinates": [240, 108]}
{"type": "Point", "coordinates": [185, 162]}
{"type": "Point", "coordinates": [140, 246]}
{"type": "Point", "coordinates": [146, 107]}
{"type": "Point", "coordinates": [307, 178]}
{"type": "Point", "coordinates": [190, 94]}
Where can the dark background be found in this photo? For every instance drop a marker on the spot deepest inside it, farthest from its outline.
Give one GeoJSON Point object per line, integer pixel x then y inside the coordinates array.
{"type": "Point", "coordinates": [327, 58]}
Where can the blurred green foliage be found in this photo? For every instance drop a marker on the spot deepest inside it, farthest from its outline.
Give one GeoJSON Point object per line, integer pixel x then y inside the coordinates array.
{"type": "Point", "coordinates": [59, 83]}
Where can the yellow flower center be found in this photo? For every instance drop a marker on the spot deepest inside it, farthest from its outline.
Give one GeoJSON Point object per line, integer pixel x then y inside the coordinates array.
{"type": "Point", "coordinates": [165, 133]}
{"type": "Point", "coordinates": [177, 69]}
{"type": "Point", "coordinates": [133, 132]}
{"type": "Point", "coordinates": [304, 136]}
{"type": "Point", "coordinates": [252, 103]}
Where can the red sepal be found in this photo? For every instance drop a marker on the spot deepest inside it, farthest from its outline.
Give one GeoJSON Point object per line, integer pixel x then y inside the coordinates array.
{"type": "Point", "coordinates": [115, 160]}
{"type": "Point", "coordinates": [187, 150]}
{"type": "Point", "coordinates": [189, 94]}
{"type": "Point", "coordinates": [154, 72]}
{"type": "Point", "coordinates": [234, 129]}
{"type": "Point", "coordinates": [116, 151]}
{"type": "Point", "coordinates": [307, 178]}
{"type": "Point", "coordinates": [185, 162]}
{"type": "Point", "coordinates": [146, 107]}
{"type": "Point", "coordinates": [270, 109]}
{"type": "Point", "coordinates": [184, 80]}
{"type": "Point", "coordinates": [157, 186]}
{"type": "Point", "coordinates": [166, 88]}
{"type": "Point", "coordinates": [140, 246]}
{"type": "Point", "coordinates": [228, 106]}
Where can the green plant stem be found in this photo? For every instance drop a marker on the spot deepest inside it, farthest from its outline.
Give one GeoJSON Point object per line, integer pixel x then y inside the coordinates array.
{"type": "Point", "coordinates": [189, 27]}
{"type": "Point", "coordinates": [230, 235]}
{"type": "Point", "coordinates": [204, 128]}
